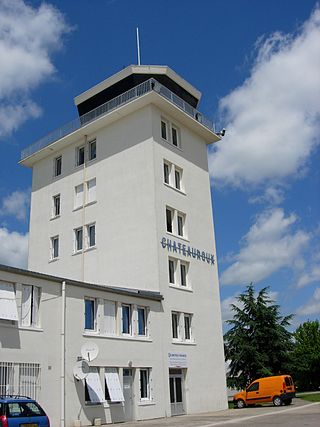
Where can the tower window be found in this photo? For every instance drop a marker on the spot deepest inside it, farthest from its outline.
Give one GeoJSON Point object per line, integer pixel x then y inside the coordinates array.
{"type": "Point", "coordinates": [80, 155]}
{"type": "Point", "coordinates": [92, 149]}
{"type": "Point", "coordinates": [164, 130]}
{"type": "Point", "coordinates": [54, 247]}
{"type": "Point", "coordinates": [57, 166]}
{"type": "Point", "coordinates": [91, 232]}
{"type": "Point", "coordinates": [56, 205]}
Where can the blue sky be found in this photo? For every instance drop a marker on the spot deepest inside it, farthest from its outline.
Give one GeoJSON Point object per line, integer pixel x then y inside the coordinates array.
{"type": "Point", "coordinates": [257, 64]}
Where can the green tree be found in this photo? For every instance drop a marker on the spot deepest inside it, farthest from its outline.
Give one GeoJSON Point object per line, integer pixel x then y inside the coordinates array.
{"type": "Point", "coordinates": [305, 365]}
{"type": "Point", "coordinates": [258, 343]}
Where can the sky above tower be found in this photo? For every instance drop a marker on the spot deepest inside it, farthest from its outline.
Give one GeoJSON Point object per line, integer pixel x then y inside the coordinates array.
{"type": "Point", "coordinates": [257, 65]}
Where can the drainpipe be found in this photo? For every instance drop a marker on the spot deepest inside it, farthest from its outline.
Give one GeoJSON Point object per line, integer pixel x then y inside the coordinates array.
{"type": "Point", "coordinates": [62, 346]}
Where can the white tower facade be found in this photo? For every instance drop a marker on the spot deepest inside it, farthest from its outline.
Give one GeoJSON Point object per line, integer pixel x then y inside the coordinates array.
{"type": "Point", "coordinates": [121, 197]}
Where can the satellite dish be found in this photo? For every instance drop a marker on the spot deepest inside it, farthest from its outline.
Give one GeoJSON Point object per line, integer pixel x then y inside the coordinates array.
{"type": "Point", "coordinates": [81, 370]}
{"type": "Point", "coordinates": [89, 351]}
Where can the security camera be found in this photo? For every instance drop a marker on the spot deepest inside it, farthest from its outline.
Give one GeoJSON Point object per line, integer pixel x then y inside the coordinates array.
{"type": "Point", "coordinates": [222, 132]}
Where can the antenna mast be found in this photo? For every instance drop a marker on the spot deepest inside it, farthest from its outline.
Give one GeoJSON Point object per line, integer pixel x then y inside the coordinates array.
{"type": "Point", "coordinates": [138, 46]}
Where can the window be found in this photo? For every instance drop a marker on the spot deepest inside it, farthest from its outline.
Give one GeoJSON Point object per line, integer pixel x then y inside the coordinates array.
{"type": "Point", "coordinates": [183, 274]}
{"type": "Point", "coordinates": [80, 151]}
{"type": "Point", "coordinates": [78, 201]}
{"type": "Point", "coordinates": [169, 219]}
{"type": "Point", "coordinates": [78, 239]}
{"type": "Point", "coordinates": [144, 384]}
{"type": "Point", "coordinates": [19, 378]}
{"type": "Point", "coordinates": [181, 219]}
{"type": "Point", "coordinates": [109, 317]}
{"type": "Point", "coordinates": [175, 325]}
{"type": "Point", "coordinates": [8, 304]}
{"type": "Point", "coordinates": [166, 173]}
{"type": "Point", "coordinates": [172, 270]}
{"type": "Point", "coordinates": [142, 321]}
{"type": "Point", "coordinates": [175, 139]}
{"type": "Point", "coordinates": [93, 387]}
{"type": "Point", "coordinates": [91, 234]}
{"type": "Point", "coordinates": [54, 247]}
{"type": "Point", "coordinates": [253, 387]}
{"type": "Point", "coordinates": [172, 175]}
{"type": "Point", "coordinates": [90, 314]}
{"type": "Point", "coordinates": [92, 149]}
{"type": "Point", "coordinates": [164, 131]}
{"type": "Point", "coordinates": [126, 319]}
{"type": "Point", "coordinates": [113, 389]}
{"type": "Point", "coordinates": [91, 190]}
{"type": "Point", "coordinates": [57, 166]}
{"type": "Point", "coordinates": [30, 304]}
{"type": "Point", "coordinates": [56, 205]}
{"type": "Point", "coordinates": [187, 326]}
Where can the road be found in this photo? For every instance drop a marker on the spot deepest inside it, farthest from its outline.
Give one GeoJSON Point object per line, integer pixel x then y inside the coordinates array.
{"type": "Point", "coordinates": [299, 414]}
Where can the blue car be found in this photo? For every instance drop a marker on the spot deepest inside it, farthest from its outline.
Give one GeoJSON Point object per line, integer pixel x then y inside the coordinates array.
{"type": "Point", "coordinates": [21, 411]}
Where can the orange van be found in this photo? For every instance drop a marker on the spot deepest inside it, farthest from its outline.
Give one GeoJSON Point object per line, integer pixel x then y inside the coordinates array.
{"type": "Point", "coordinates": [279, 390]}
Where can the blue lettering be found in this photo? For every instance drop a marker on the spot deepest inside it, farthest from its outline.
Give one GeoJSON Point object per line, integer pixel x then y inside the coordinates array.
{"type": "Point", "coordinates": [163, 242]}
{"type": "Point", "coordinates": [174, 246]}
{"type": "Point", "coordinates": [212, 259]}
{"type": "Point", "coordinates": [203, 256]}
{"type": "Point", "coordinates": [194, 253]}
{"type": "Point", "coordinates": [179, 248]}
{"type": "Point", "coordinates": [184, 250]}
{"type": "Point", "coordinates": [198, 254]}
{"type": "Point", "coordinates": [189, 251]}
{"type": "Point", "coordinates": [169, 244]}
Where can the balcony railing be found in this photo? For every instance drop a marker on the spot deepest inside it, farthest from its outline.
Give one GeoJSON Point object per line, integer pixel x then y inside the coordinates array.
{"type": "Point", "coordinates": [124, 98]}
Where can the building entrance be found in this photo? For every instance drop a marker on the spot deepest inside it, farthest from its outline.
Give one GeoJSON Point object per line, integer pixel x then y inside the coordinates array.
{"type": "Point", "coordinates": [176, 383]}
{"type": "Point", "coordinates": [127, 394]}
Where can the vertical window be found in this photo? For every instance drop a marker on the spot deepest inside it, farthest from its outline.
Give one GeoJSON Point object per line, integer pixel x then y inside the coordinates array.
{"type": "Point", "coordinates": [164, 132]}
{"type": "Point", "coordinates": [91, 190]}
{"type": "Point", "coordinates": [169, 218]}
{"type": "Point", "coordinates": [80, 155]}
{"type": "Point", "coordinates": [177, 178]}
{"type": "Point", "coordinates": [30, 303]}
{"type": "Point", "coordinates": [78, 201]}
{"type": "Point", "coordinates": [187, 326]}
{"type": "Point", "coordinates": [172, 271]}
{"type": "Point", "coordinates": [109, 314]}
{"type": "Point", "coordinates": [91, 234]}
{"type": "Point", "coordinates": [92, 149]}
{"type": "Point", "coordinates": [175, 325]}
{"type": "Point", "coordinates": [54, 247]}
{"type": "Point", "coordinates": [181, 219]}
{"type": "Point", "coordinates": [78, 239]}
{"type": "Point", "coordinates": [183, 274]}
{"type": "Point", "coordinates": [56, 205]}
{"type": "Point", "coordinates": [142, 321]}
{"type": "Point", "coordinates": [126, 319]}
{"type": "Point", "coordinates": [166, 173]}
{"type": "Point", "coordinates": [57, 166]}
{"type": "Point", "coordinates": [144, 384]}
{"type": "Point", "coordinates": [89, 314]}
{"type": "Point", "coordinates": [174, 133]}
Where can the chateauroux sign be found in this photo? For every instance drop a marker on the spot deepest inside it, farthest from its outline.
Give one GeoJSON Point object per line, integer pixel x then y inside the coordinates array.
{"type": "Point", "coordinates": [187, 251]}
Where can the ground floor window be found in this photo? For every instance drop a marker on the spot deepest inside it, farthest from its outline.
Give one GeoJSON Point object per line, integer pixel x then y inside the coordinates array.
{"type": "Point", "coordinates": [20, 378]}
{"type": "Point", "coordinates": [145, 384]}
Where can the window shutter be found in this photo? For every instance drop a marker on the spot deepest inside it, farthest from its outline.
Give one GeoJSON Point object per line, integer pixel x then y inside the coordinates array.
{"type": "Point", "coordinates": [94, 386]}
{"type": "Point", "coordinates": [91, 190]}
{"type": "Point", "coordinates": [35, 305]}
{"type": "Point", "coordinates": [26, 305]}
{"type": "Point", "coordinates": [114, 386]}
{"type": "Point", "coordinates": [78, 196]}
{"type": "Point", "coordinates": [8, 305]}
{"type": "Point", "coordinates": [109, 317]}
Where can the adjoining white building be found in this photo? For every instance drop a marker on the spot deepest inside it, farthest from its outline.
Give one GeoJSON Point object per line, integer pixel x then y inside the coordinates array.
{"type": "Point", "coordinates": [121, 197]}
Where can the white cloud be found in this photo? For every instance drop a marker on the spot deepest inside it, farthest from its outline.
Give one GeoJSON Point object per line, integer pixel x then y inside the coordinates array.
{"type": "Point", "coordinates": [269, 246]}
{"type": "Point", "coordinates": [273, 119]}
{"type": "Point", "coordinates": [272, 196]}
{"type": "Point", "coordinates": [309, 277]}
{"type": "Point", "coordinates": [16, 204]}
{"type": "Point", "coordinates": [13, 248]}
{"type": "Point", "coordinates": [226, 309]}
{"type": "Point", "coordinates": [28, 36]}
{"type": "Point", "coordinates": [312, 307]}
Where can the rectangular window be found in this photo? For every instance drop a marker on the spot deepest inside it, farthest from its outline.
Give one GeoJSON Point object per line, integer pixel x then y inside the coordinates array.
{"type": "Point", "coordinates": [78, 201]}
{"type": "Point", "coordinates": [109, 315]}
{"type": "Point", "coordinates": [56, 205]}
{"type": "Point", "coordinates": [164, 132]}
{"type": "Point", "coordinates": [169, 219]}
{"type": "Point", "coordinates": [89, 314]}
{"type": "Point", "coordinates": [54, 247]}
{"type": "Point", "coordinates": [177, 178]}
{"type": "Point", "coordinates": [57, 166]}
{"type": "Point", "coordinates": [78, 239]}
{"type": "Point", "coordinates": [142, 321]}
{"type": "Point", "coordinates": [91, 234]}
{"type": "Point", "coordinates": [91, 190]}
{"type": "Point", "coordinates": [181, 219]}
{"type": "Point", "coordinates": [187, 326]}
{"type": "Point", "coordinates": [8, 304]}
{"type": "Point", "coordinates": [175, 325]}
{"type": "Point", "coordinates": [92, 149]}
{"type": "Point", "coordinates": [172, 271]}
{"type": "Point", "coordinates": [144, 384]}
{"type": "Point", "coordinates": [166, 173]}
{"type": "Point", "coordinates": [113, 388]}
{"type": "Point", "coordinates": [30, 304]}
{"type": "Point", "coordinates": [126, 319]}
{"type": "Point", "coordinates": [19, 378]}
{"type": "Point", "coordinates": [93, 387]}
{"type": "Point", "coordinates": [183, 274]}
{"type": "Point", "coordinates": [175, 138]}
{"type": "Point", "coordinates": [80, 151]}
